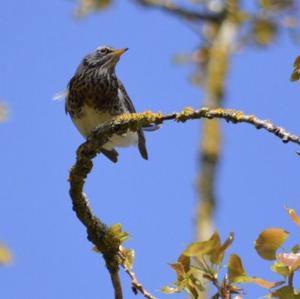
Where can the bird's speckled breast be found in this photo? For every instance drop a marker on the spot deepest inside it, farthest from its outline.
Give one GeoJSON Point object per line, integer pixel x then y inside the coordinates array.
{"type": "Point", "coordinates": [95, 90]}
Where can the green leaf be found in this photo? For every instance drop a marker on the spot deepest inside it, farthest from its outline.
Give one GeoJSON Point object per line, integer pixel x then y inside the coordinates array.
{"type": "Point", "coordinates": [88, 6]}
{"type": "Point", "coordinates": [295, 248]}
{"type": "Point", "coordinates": [269, 241]}
{"type": "Point", "coordinates": [204, 247]}
{"type": "Point", "coordinates": [95, 249]}
{"type": "Point", "coordinates": [285, 292]}
{"type": "Point", "coordinates": [169, 290]}
{"type": "Point", "coordinates": [275, 5]}
{"type": "Point", "coordinates": [264, 31]}
{"type": "Point", "coordinates": [237, 274]}
{"type": "Point", "coordinates": [129, 257]}
{"type": "Point", "coordinates": [280, 269]}
{"type": "Point", "coordinates": [194, 287]}
{"type": "Point", "coordinates": [217, 256]}
{"type": "Point", "coordinates": [265, 283]}
{"type": "Point", "coordinates": [236, 271]}
{"type": "Point", "coordinates": [116, 230]}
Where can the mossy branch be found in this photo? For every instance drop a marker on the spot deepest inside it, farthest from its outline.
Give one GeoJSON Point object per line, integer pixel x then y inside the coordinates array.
{"type": "Point", "coordinates": [99, 233]}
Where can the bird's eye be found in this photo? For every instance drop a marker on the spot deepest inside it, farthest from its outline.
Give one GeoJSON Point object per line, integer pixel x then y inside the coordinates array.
{"type": "Point", "coordinates": [103, 51]}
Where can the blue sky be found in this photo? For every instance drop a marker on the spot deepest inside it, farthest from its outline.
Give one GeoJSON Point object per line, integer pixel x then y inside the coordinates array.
{"type": "Point", "coordinates": [154, 200]}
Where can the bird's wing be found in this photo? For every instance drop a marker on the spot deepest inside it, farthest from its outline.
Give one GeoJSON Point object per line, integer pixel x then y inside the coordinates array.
{"type": "Point", "coordinates": [128, 102]}
{"type": "Point", "coordinates": [149, 128]}
{"type": "Point", "coordinates": [130, 107]}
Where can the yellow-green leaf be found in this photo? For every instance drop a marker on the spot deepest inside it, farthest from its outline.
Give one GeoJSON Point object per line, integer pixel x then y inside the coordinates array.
{"type": "Point", "coordinates": [236, 271]}
{"type": "Point", "coordinates": [280, 269]}
{"type": "Point", "coordinates": [5, 255]}
{"type": "Point", "coordinates": [129, 257]}
{"type": "Point", "coordinates": [269, 241]}
{"type": "Point", "coordinates": [169, 290]}
{"type": "Point", "coordinates": [95, 249]}
{"type": "Point", "coordinates": [116, 230]}
{"type": "Point", "coordinates": [194, 287]}
{"type": "Point", "coordinates": [276, 5]}
{"type": "Point", "coordinates": [204, 247]}
{"type": "Point", "coordinates": [265, 283]}
{"type": "Point", "coordinates": [264, 31]}
{"type": "Point", "coordinates": [218, 255]}
{"type": "Point", "coordinates": [88, 6]}
{"type": "Point", "coordinates": [285, 292]}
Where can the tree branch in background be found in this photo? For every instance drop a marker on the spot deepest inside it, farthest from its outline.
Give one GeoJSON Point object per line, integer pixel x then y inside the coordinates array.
{"type": "Point", "coordinates": [105, 238]}
{"type": "Point", "coordinates": [184, 13]}
{"type": "Point", "coordinates": [210, 141]}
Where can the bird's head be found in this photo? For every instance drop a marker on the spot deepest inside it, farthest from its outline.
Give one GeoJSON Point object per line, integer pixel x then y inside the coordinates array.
{"type": "Point", "coordinates": [104, 58]}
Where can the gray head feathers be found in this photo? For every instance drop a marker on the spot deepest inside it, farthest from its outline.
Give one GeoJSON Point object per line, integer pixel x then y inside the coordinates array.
{"type": "Point", "coordinates": [104, 58]}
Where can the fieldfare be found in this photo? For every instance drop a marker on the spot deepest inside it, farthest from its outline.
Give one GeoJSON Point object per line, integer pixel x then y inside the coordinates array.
{"type": "Point", "coordinates": [95, 95]}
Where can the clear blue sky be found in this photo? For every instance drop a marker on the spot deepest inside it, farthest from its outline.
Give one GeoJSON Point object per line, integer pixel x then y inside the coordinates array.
{"type": "Point", "coordinates": [41, 45]}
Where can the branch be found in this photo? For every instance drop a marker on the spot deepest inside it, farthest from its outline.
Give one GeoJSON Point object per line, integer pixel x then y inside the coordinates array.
{"type": "Point", "coordinates": [172, 8]}
{"type": "Point", "coordinates": [105, 240]}
{"type": "Point", "coordinates": [291, 280]}
{"type": "Point", "coordinates": [216, 69]}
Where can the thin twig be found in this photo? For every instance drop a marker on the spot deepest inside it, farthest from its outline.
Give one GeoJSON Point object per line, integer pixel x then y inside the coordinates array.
{"type": "Point", "coordinates": [98, 233]}
{"type": "Point", "coordinates": [135, 284]}
{"type": "Point", "coordinates": [291, 280]}
{"type": "Point", "coordinates": [185, 13]}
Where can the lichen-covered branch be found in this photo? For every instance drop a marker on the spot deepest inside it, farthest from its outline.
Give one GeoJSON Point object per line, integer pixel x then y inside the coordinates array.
{"type": "Point", "coordinates": [99, 233]}
{"type": "Point", "coordinates": [172, 8]}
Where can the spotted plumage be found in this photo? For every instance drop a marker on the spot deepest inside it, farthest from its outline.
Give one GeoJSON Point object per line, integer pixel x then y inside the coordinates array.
{"type": "Point", "coordinates": [96, 95]}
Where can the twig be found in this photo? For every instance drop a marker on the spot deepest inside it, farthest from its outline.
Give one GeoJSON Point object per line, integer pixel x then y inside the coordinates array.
{"type": "Point", "coordinates": [185, 13]}
{"type": "Point", "coordinates": [135, 284]}
{"type": "Point", "coordinates": [98, 233]}
{"type": "Point", "coordinates": [291, 280]}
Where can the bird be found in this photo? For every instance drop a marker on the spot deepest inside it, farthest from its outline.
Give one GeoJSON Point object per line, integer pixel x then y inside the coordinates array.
{"type": "Point", "coordinates": [96, 95]}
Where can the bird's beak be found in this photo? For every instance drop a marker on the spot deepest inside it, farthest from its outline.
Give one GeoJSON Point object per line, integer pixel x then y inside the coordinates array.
{"type": "Point", "coordinates": [117, 53]}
